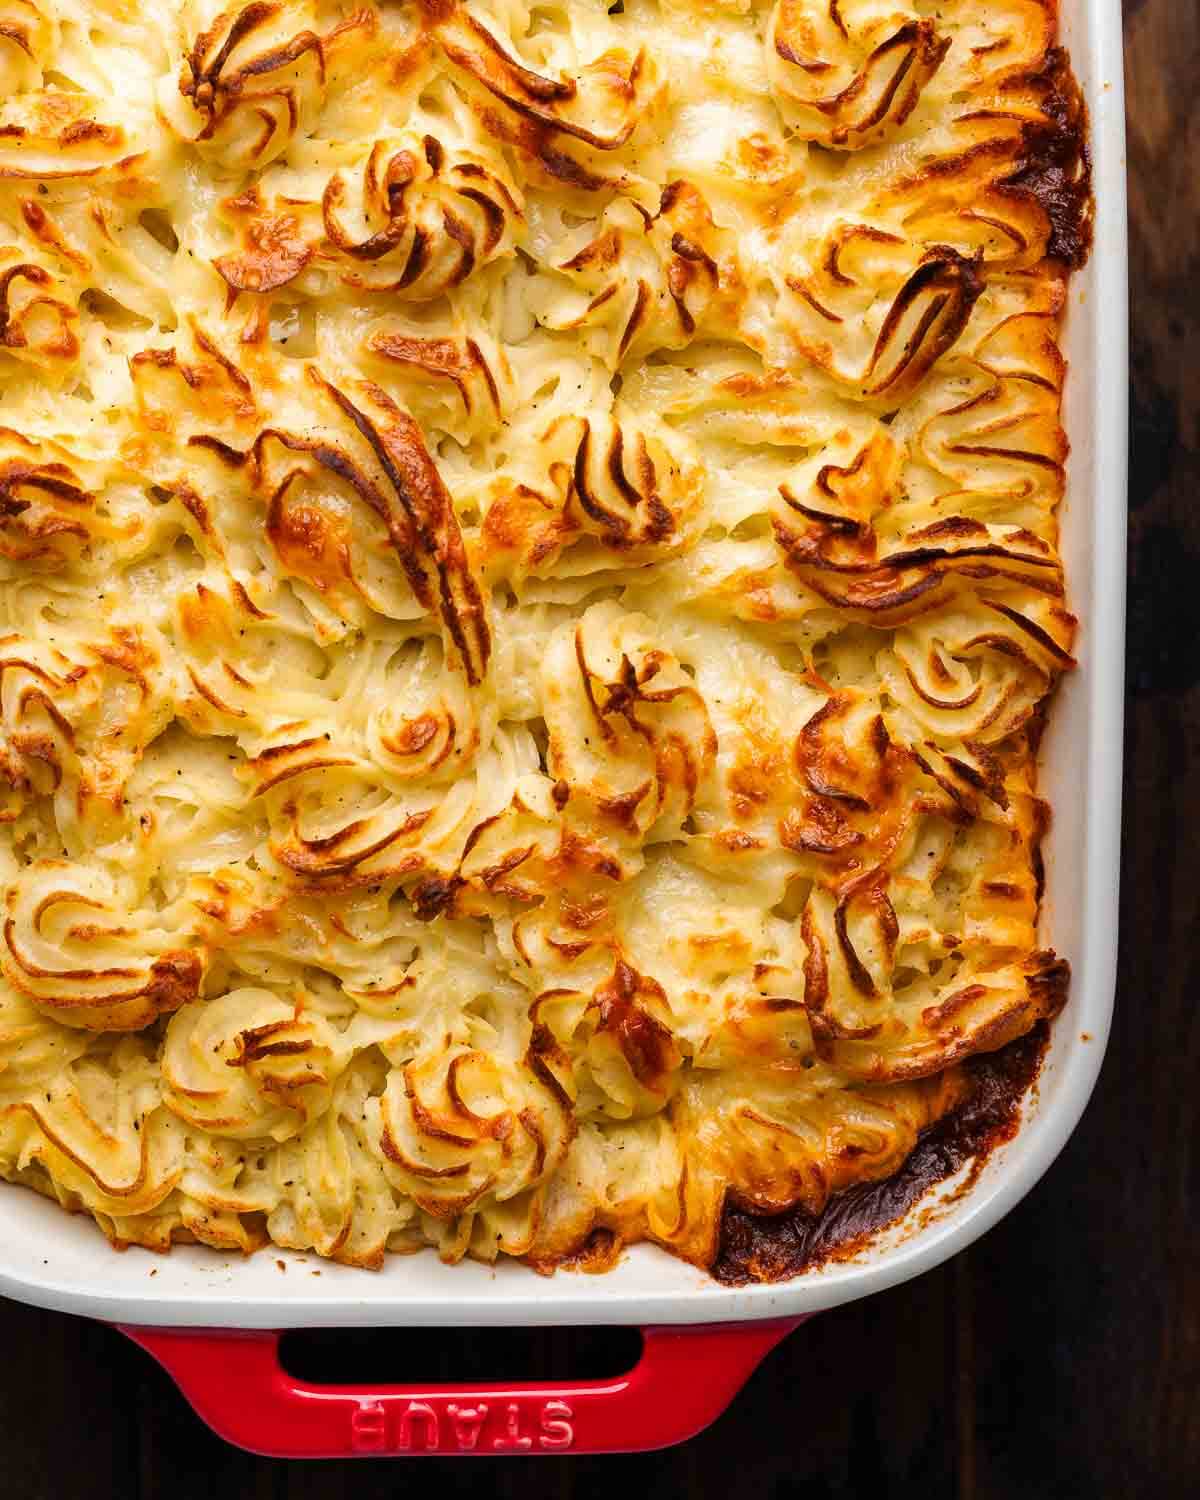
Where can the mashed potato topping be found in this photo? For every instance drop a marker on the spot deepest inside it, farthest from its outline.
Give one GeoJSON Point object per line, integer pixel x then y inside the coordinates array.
{"type": "Point", "coordinates": [528, 582]}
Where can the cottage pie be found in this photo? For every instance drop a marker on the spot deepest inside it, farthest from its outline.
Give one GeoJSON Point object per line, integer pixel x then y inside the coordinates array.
{"type": "Point", "coordinates": [528, 587]}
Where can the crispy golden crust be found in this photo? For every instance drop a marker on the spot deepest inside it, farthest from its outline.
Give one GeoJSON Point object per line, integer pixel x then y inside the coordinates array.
{"type": "Point", "coordinates": [528, 582]}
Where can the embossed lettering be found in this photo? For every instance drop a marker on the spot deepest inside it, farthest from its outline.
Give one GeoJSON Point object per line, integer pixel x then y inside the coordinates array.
{"type": "Point", "coordinates": [368, 1427]}
{"type": "Point", "coordinates": [418, 1412]}
{"type": "Point", "coordinates": [468, 1420]}
{"type": "Point", "coordinates": [557, 1431]}
{"type": "Point", "coordinates": [418, 1427]}
{"type": "Point", "coordinates": [512, 1430]}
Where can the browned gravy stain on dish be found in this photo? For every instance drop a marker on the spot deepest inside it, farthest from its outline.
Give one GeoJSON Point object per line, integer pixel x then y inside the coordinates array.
{"type": "Point", "coordinates": [762, 1247]}
{"type": "Point", "coordinates": [1057, 168]}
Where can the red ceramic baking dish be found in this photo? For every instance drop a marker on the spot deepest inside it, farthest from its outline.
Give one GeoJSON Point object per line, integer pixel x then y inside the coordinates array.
{"type": "Point", "coordinates": [215, 1323]}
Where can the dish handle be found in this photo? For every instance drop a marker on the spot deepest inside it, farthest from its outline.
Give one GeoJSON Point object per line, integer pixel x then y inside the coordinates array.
{"type": "Point", "coordinates": [685, 1378]}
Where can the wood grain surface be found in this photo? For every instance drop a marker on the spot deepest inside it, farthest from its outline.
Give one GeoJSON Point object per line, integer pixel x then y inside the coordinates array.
{"type": "Point", "coordinates": [1060, 1356]}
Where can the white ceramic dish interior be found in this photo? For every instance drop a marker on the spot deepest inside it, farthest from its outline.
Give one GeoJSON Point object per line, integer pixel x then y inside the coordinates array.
{"type": "Point", "coordinates": [59, 1262]}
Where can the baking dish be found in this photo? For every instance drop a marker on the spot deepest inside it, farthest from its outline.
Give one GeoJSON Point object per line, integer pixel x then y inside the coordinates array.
{"type": "Point", "coordinates": [214, 1322]}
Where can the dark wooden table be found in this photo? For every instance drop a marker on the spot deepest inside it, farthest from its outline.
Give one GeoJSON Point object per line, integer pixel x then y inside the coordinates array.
{"type": "Point", "coordinates": [1060, 1356]}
